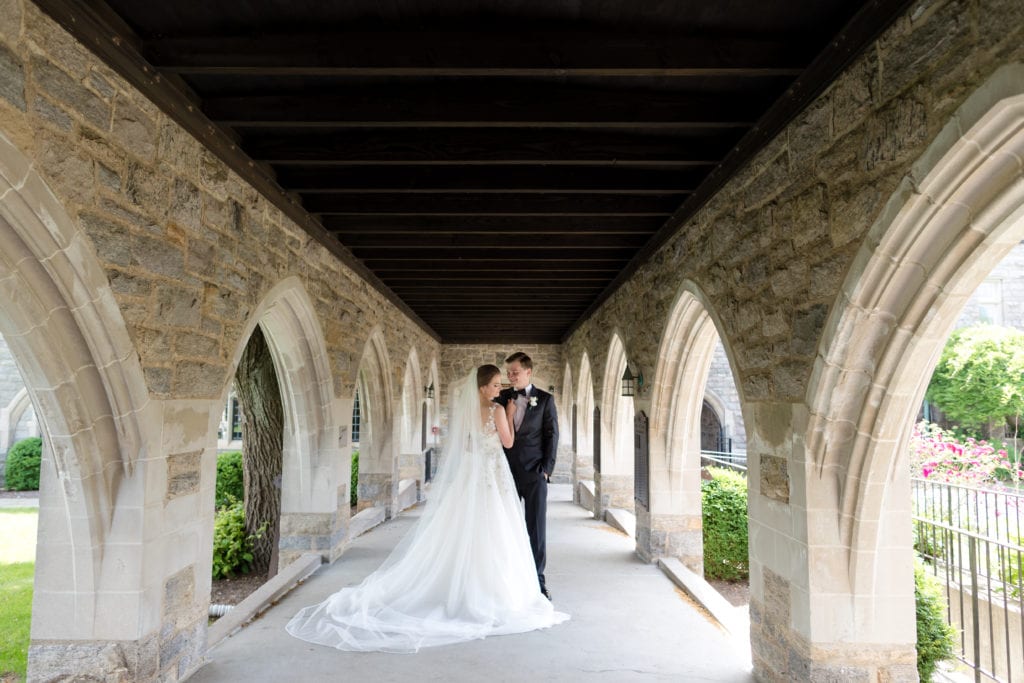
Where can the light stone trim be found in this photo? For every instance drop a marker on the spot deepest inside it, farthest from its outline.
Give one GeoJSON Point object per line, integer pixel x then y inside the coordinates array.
{"type": "Point", "coordinates": [10, 415]}
{"type": "Point", "coordinates": [940, 235]}
{"type": "Point", "coordinates": [583, 467]}
{"type": "Point", "coordinates": [313, 462]}
{"type": "Point", "coordinates": [616, 417]}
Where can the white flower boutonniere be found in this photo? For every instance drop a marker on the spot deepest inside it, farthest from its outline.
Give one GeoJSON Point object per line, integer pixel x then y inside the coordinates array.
{"type": "Point", "coordinates": [533, 401]}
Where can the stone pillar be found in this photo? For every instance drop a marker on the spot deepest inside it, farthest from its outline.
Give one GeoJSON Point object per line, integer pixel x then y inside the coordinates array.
{"type": "Point", "coordinates": [810, 617]}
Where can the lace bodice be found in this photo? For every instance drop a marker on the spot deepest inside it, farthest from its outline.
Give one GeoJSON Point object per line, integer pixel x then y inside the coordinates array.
{"type": "Point", "coordinates": [492, 441]}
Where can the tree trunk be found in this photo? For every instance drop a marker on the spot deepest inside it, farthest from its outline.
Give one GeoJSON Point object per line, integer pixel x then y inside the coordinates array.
{"type": "Point", "coordinates": [262, 441]}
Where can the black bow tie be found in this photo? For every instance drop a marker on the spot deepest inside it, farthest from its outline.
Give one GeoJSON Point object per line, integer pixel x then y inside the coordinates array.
{"type": "Point", "coordinates": [519, 392]}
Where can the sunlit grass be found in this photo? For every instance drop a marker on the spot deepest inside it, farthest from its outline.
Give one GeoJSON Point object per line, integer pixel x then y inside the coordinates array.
{"type": "Point", "coordinates": [15, 618]}
{"type": "Point", "coordinates": [17, 571]}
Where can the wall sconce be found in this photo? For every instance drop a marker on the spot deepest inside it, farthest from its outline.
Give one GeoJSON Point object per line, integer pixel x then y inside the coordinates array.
{"type": "Point", "coordinates": [551, 388]}
{"type": "Point", "coordinates": [429, 391]}
{"type": "Point", "coordinates": [631, 384]}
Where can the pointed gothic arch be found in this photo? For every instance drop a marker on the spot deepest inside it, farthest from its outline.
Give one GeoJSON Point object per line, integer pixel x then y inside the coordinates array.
{"type": "Point", "coordinates": [312, 472]}
{"type": "Point", "coordinates": [378, 457]}
{"type": "Point", "coordinates": [614, 483]}
{"type": "Point", "coordinates": [951, 221]}
{"type": "Point", "coordinates": [69, 339]}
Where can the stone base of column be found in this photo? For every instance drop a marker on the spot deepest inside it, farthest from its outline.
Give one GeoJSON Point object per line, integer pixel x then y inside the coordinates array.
{"type": "Point", "coordinates": [780, 655]}
{"type": "Point", "coordinates": [377, 489]}
{"type": "Point", "coordinates": [312, 532]}
{"type": "Point", "coordinates": [582, 470]}
{"type": "Point", "coordinates": [678, 536]}
{"type": "Point", "coordinates": [172, 657]}
{"type": "Point", "coordinates": [613, 491]}
{"type": "Point", "coordinates": [410, 466]}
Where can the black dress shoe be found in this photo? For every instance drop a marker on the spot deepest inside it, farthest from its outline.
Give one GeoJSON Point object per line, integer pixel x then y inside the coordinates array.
{"type": "Point", "coordinates": [545, 593]}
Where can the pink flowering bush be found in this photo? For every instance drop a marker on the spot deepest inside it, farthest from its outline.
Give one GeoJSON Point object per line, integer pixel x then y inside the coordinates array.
{"type": "Point", "coordinates": [938, 455]}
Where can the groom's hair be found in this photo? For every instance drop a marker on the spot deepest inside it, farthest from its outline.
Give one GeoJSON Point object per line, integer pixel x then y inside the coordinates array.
{"type": "Point", "coordinates": [524, 360]}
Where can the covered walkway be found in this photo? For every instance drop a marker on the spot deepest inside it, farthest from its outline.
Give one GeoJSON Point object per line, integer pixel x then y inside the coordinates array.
{"type": "Point", "coordinates": [629, 622]}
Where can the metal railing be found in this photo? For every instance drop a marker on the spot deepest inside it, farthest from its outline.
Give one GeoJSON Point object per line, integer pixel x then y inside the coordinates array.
{"type": "Point", "coordinates": [971, 540]}
{"type": "Point", "coordinates": [733, 461]}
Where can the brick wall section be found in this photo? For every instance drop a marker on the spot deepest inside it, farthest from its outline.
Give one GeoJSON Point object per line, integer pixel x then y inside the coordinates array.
{"type": "Point", "coordinates": [188, 247]}
{"type": "Point", "coordinates": [771, 249]}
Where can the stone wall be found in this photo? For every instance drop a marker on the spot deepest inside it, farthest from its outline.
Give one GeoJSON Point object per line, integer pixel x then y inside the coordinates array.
{"type": "Point", "coordinates": [770, 252]}
{"type": "Point", "coordinates": [190, 253]}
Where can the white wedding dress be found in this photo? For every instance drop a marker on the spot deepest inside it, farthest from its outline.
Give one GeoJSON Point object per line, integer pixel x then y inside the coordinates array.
{"type": "Point", "coordinates": [465, 571]}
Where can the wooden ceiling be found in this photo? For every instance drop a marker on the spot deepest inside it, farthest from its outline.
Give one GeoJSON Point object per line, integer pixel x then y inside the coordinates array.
{"type": "Point", "coordinates": [496, 168]}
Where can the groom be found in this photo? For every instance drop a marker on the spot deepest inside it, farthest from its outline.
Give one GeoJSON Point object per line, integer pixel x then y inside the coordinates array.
{"type": "Point", "coordinates": [532, 456]}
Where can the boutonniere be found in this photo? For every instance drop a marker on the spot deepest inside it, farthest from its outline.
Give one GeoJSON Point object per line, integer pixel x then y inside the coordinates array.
{"type": "Point", "coordinates": [533, 401]}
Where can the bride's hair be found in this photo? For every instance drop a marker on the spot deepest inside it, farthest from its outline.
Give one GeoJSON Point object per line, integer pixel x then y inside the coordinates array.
{"type": "Point", "coordinates": [485, 373]}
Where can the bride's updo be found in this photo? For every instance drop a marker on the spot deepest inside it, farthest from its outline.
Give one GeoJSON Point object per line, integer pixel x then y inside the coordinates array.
{"type": "Point", "coordinates": [485, 373]}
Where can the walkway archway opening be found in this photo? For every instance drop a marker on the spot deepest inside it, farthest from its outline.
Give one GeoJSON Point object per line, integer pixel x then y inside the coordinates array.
{"type": "Point", "coordinates": [378, 463]}
{"type": "Point", "coordinates": [614, 483]}
{"type": "Point", "coordinates": [945, 229]}
{"type": "Point", "coordinates": [583, 462]}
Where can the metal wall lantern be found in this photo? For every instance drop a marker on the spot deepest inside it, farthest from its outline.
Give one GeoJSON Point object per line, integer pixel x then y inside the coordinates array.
{"type": "Point", "coordinates": [631, 384]}
{"type": "Point", "coordinates": [429, 391]}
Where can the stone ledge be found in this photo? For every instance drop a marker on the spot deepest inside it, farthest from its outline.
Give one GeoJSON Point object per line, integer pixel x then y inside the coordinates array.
{"type": "Point", "coordinates": [586, 494]}
{"type": "Point", "coordinates": [366, 520]}
{"type": "Point", "coordinates": [623, 520]}
{"type": "Point", "coordinates": [263, 597]}
{"type": "Point", "coordinates": [408, 494]}
{"type": "Point", "coordinates": [733, 619]}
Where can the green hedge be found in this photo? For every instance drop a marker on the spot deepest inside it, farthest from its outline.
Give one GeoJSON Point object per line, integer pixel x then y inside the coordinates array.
{"type": "Point", "coordinates": [229, 479]}
{"type": "Point", "coordinates": [724, 510]}
{"type": "Point", "coordinates": [23, 464]}
{"type": "Point", "coordinates": [354, 491]}
{"type": "Point", "coordinates": [935, 638]}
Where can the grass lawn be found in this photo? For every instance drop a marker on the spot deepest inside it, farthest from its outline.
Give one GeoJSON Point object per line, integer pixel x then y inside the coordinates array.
{"type": "Point", "coordinates": [17, 571]}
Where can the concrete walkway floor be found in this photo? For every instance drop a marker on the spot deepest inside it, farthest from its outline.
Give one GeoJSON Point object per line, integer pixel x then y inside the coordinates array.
{"type": "Point", "coordinates": [629, 623]}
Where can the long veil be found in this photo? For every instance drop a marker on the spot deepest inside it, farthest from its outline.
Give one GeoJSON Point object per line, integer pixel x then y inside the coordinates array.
{"type": "Point", "coordinates": [463, 571]}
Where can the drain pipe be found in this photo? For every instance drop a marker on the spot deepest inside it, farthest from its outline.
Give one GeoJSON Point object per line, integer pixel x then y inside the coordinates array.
{"type": "Point", "coordinates": [220, 610]}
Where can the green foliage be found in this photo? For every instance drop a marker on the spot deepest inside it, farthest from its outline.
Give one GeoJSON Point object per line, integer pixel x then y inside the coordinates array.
{"type": "Point", "coordinates": [229, 478]}
{"type": "Point", "coordinates": [354, 490]}
{"type": "Point", "coordinates": [232, 548]}
{"type": "Point", "coordinates": [724, 508]}
{"type": "Point", "coordinates": [1011, 569]}
{"type": "Point", "coordinates": [23, 464]}
{"type": "Point", "coordinates": [980, 376]}
{"type": "Point", "coordinates": [935, 638]}
{"type": "Point", "coordinates": [15, 617]}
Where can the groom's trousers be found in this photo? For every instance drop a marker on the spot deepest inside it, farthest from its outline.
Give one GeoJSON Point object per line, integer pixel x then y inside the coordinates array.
{"type": "Point", "coordinates": [535, 504]}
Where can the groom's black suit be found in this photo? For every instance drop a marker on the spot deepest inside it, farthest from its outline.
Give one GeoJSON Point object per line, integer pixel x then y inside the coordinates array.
{"type": "Point", "coordinates": [531, 457]}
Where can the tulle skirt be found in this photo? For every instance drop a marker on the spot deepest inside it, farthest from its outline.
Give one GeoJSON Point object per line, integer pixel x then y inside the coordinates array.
{"type": "Point", "coordinates": [464, 572]}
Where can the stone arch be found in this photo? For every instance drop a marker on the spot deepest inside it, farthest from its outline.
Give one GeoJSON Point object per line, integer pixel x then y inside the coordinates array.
{"type": "Point", "coordinates": [614, 483]}
{"type": "Point", "coordinates": [672, 525]}
{"type": "Point", "coordinates": [433, 404]}
{"type": "Point", "coordinates": [565, 401]}
{"type": "Point", "coordinates": [312, 474]}
{"type": "Point", "coordinates": [377, 461]}
{"type": "Point", "coordinates": [583, 465]}
{"type": "Point", "coordinates": [713, 421]}
{"type": "Point", "coordinates": [955, 216]}
{"type": "Point", "coordinates": [66, 333]}
{"type": "Point", "coordinates": [411, 402]}
{"type": "Point", "coordinates": [11, 415]}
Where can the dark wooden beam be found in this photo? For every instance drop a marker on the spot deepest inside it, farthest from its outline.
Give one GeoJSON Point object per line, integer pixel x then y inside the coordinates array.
{"type": "Point", "coordinates": [343, 226]}
{"type": "Point", "coordinates": [505, 204]}
{"type": "Point", "coordinates": [621, 179]}
{"type": "Point", "coordinates": [463, 105]}
{"type": "Point", "coordinates": [404, 147]}
{"type": "Point", "coordinates": [512, 254]}
{"type": "Point", "coordinates": [507, 241]}
{"type": "Point", "coordinates": [609, 266]}
{"type": "Point", "coordinates": [477, 53]}
{"type": "Point", "coordinates": [89, 22]}
{"type": "Point", "coordinates": [862, 29]}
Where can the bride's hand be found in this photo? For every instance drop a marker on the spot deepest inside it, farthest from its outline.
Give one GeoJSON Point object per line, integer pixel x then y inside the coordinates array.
{"type": "Point", "coordinates": [510, 408]}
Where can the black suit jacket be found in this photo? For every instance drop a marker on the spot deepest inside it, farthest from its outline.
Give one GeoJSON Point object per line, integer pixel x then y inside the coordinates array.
{"type": "Point", "coordinates": [536, 441]}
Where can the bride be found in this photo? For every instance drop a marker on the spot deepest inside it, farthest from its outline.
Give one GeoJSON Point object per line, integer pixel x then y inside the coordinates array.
{"type": "Point", "coordinates": [465, 570]}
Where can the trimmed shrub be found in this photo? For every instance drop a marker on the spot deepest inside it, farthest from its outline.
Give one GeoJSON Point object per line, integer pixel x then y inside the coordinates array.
{"type": "Point", "coordinates": [23, 464]}
{"type": "Point", "coordinates": [232, 548]}
{"type": "Point", "coordinates": [935, 638]}
{"type": "Point", "coordinates": [354, 490]}
{"type": "Point", "coordinates": [229, 478]}
{"type": "Point", "coordinates": [724, 511]}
